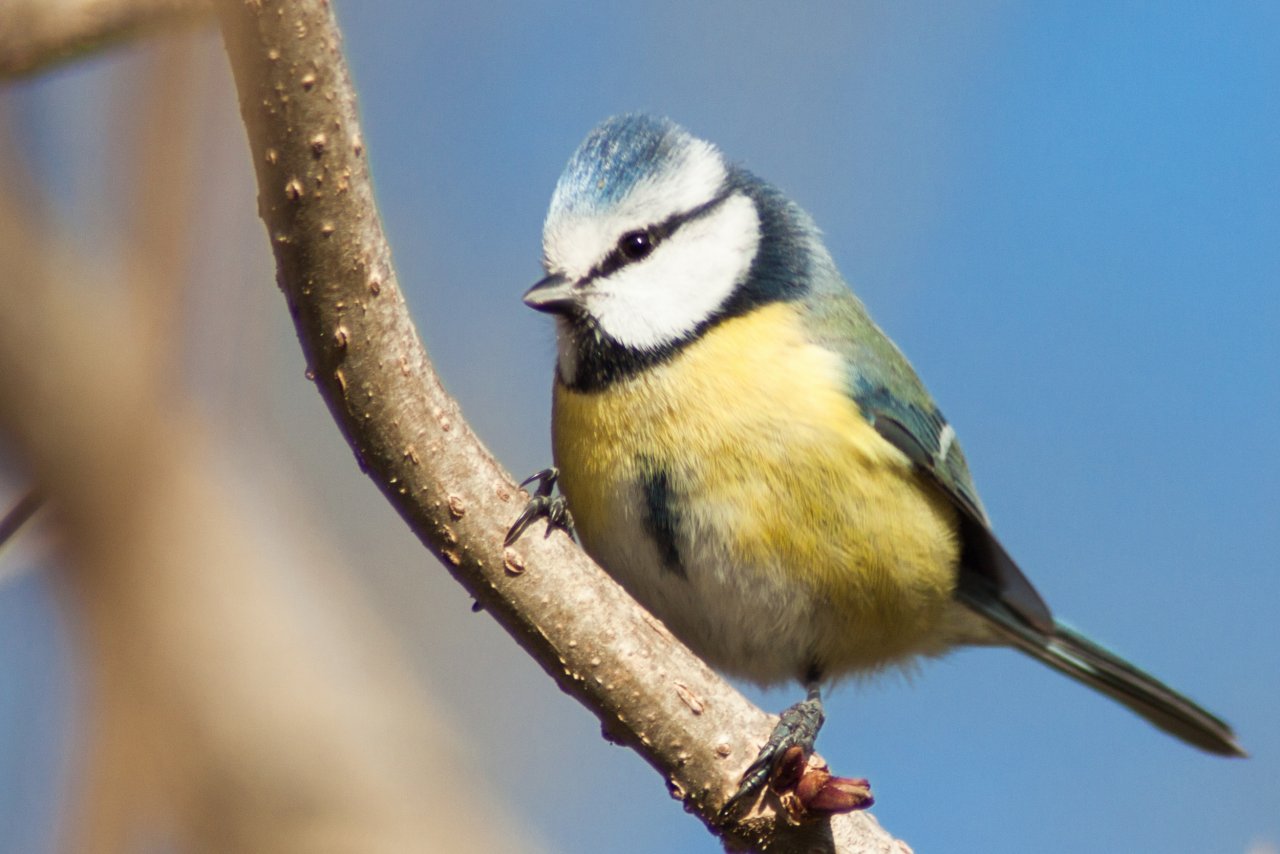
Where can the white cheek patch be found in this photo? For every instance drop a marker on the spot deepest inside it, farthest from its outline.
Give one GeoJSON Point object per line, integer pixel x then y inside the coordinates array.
{"type": "Point", "coordinates": [657, 301]}
{"type": "Point", "coordinates": [574, 243]}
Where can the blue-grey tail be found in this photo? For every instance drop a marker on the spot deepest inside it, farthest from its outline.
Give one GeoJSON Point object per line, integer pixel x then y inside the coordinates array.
{"type": "Point", "coordinates": [1070, 652]}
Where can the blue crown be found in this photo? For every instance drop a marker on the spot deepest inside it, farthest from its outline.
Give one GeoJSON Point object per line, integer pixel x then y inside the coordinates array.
{"type": "Point", "coordinates": [620, 153]}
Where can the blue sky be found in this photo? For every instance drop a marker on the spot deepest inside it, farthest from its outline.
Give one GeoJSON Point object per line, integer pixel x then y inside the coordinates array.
{"type": "Point", "coordinates": [1068, 216]}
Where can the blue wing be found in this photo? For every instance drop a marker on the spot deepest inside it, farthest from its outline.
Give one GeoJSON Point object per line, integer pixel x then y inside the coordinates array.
{"type": "Point", "coordinates": [892, 398]}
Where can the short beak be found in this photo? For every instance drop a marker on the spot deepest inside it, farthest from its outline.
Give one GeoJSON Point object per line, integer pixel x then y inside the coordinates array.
{"type": "Point", "coordinates": [553, 294]}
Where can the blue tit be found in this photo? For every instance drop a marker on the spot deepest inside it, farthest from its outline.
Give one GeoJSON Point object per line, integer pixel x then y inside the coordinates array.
{"type": "Point", "coordinates": [750, 456]}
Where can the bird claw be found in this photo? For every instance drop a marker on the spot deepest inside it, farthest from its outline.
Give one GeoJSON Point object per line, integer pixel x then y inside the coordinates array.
{"type": "Point", "coordinates": [793, 737]}
{"type": "Point", "coordinates": [543, 505]}
{"type": "Point", "coordinates": [783, 764]}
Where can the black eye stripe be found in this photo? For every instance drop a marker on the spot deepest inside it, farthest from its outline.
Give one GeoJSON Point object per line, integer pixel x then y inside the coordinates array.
{"type": "Point", "coordinates": [656, 234]}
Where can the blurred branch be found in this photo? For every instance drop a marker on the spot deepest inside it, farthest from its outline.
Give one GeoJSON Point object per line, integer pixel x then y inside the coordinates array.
{"type": "Point", "coordinates": [233, 707]}
{"type": "Point", "coordinates": [18, 515]}
{"type": "Point", "coordinates": [334, 267]}
{"type": "Point", "coordinates": [37, 34]}
{"type": "Point", "coordinates": [159, 123]}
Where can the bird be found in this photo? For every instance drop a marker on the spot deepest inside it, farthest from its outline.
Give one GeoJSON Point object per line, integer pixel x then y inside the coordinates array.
{"type": "Point", "coordinates": [741, 447]}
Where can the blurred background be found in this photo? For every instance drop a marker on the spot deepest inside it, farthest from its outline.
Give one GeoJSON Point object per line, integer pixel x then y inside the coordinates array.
{"type": "Point", "coordinates": [1067, 215]}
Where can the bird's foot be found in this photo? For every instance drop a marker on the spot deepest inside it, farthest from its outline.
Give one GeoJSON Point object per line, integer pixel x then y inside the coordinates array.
{"type": "Point", "coordinates": [543, 505]}
{"type": "Point", "coordinates": [793, 737]}
{"type": "Point", "coordinates": [806, 793]}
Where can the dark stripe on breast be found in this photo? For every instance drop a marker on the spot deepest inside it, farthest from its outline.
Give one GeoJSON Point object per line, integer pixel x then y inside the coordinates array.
{"type": "Point", "coordinates": [662, 519]}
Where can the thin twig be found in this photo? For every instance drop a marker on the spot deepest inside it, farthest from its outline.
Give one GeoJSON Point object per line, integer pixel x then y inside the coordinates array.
{"type": "Point", "coordinates": [18, 515]}
{"type": "Point", "coordinates": [38, 34]}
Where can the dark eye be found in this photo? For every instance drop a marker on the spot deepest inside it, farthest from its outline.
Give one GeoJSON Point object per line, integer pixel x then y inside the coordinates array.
{"type": "Point", "coordinates": [635, 245]}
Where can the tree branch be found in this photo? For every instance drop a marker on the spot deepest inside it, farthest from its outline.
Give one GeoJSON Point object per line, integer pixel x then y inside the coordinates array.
{"type": "Point", "coordinates": [38, 34]}
{"type": "Point", "coordinates": [335, 269]}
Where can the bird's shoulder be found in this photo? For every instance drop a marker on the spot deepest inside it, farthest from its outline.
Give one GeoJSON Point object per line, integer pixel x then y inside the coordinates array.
{"type": "Point", "coordinates": [888, 392]}
{"type": "Point", "coordinates": [890, 395]}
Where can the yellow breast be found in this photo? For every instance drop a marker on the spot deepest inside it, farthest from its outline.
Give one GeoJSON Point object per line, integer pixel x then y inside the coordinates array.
{"type": "Point", "coordinates": [783, 481]}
